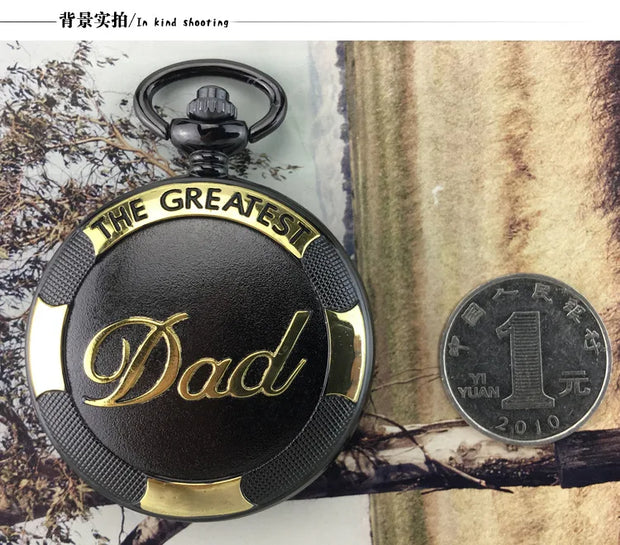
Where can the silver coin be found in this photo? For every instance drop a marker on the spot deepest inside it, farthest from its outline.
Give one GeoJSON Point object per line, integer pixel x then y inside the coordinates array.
{"type": "Point", "coordinates": [525, 359]}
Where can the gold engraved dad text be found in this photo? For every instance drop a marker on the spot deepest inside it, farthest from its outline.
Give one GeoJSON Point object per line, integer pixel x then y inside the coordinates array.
{"type": "Point", "coordinates": [131, 369]}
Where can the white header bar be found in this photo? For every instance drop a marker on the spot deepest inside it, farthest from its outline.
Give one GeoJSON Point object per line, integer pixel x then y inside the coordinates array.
{"type": "Point", "coordinates": [316, 20]}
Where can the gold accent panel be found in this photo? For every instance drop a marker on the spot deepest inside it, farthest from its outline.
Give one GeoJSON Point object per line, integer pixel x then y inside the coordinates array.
{"type": "Point", "coordinates": [45, 347]}
{"type": "Point", "coordinates": [176, 499]}
{"type": "Point", "coordinates": [200, 198]}
{"type": "Point", "coordinates": [347, 352]}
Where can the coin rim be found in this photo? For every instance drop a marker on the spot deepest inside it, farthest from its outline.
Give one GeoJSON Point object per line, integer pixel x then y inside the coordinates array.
{"type": "Point", "coordinates": [444, 377]}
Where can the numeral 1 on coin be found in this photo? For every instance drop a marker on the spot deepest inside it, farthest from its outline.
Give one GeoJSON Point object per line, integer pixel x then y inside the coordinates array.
{"type": "Point", "coordinates": [523, 327]}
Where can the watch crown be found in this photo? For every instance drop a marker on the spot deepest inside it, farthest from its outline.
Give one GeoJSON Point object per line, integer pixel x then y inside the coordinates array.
{"type": "Point", "coordinates": [211, 104]}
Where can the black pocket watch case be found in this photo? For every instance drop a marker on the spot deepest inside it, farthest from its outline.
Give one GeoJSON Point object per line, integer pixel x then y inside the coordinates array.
{"type": "Point", "coordinates": [200, 347]}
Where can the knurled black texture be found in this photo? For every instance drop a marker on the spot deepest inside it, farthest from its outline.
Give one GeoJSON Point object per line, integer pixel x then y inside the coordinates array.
{"type": "Point", "coordinates": [94, 461]}
{"type": "Point", "coordinates": [329, 276]}
{"type": "Point", "coordinates": [65, 274]}
{"type": "Point", "coordinates": [308, 452]}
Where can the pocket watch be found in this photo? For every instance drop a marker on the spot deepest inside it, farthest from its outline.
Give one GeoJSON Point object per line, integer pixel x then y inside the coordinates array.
{"type": "Point", "coordinates": [200, 347]}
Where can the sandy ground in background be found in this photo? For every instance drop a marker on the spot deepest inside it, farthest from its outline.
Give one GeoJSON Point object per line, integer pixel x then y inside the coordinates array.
{"type": "Point", "coordinates": [473, 160]}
